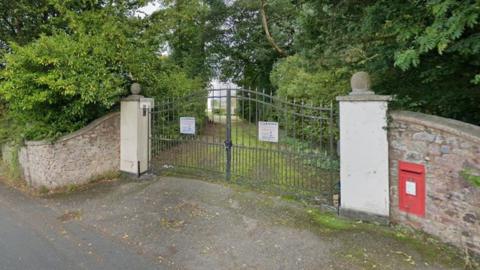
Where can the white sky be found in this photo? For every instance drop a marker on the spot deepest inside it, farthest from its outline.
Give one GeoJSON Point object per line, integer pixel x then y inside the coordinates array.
{"type": "Point", "coordinates": [148, 9]}
{"type": "Point", "coordinates": [155, 5]}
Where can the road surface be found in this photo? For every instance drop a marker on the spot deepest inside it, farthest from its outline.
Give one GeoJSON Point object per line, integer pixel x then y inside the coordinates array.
{"type": "Point", "coordinates": [33, 236]}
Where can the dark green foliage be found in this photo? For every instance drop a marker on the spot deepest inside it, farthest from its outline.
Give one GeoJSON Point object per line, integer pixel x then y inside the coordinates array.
{"type": "Point", "coordinates": [64, 63]}
{"type": "Point", "coordinates": [79, 69]}
{"type": "Point", "coordinates": [58, 83]}
{"type": "Point", "coordinates": [245, 55]}
{"type": "Point", "coordinates": [427, 53]}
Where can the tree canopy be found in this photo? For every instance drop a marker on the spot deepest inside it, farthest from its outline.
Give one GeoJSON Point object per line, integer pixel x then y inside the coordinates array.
{"type": "Point", "coordinates": [76, 65]}
{"type": "Point", "coordinates": [427, 53]}
{"type": "Point", "coordinates": [65, 63]}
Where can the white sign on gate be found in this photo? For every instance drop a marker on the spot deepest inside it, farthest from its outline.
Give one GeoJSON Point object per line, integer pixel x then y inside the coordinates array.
{"type": "Point", "coordinates": [187, 125]}
{"type": "Point", "coordinates": [268, 131]}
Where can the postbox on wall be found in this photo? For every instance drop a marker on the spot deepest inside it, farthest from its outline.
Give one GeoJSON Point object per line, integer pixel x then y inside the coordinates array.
{"type": "Point", "coordinates": [411, 188]}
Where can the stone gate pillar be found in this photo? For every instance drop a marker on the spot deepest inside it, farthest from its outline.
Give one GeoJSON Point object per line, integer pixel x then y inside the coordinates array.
{"type": "Point", "coordinates": [364, 175]}
{"type": "Point", "coordinates": [135, 132]}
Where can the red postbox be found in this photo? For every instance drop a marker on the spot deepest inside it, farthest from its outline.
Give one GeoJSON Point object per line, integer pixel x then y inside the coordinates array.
{"type": "Point", "coordinates": [411, 188]}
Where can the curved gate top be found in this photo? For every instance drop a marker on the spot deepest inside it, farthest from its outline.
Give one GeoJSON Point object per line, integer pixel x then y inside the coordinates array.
{"type": "Point", "coordinates": [247, 135]}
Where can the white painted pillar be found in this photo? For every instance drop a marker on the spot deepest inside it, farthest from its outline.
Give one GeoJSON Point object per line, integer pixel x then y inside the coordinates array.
{"type": "Point", "coordinates": [134, 132]}
{"type": "Point", "coordinates": [364, 175]}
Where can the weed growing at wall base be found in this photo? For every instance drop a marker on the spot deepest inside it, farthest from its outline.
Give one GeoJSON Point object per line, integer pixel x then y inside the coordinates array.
{"type": "Point", "coordinates": [471, 177]}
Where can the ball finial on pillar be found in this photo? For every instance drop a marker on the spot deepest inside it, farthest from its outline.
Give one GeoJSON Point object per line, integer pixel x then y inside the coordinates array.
{"type": "Point", "coordinates": [135, 89]}
{"type": "Point", "coordinates": [361, 84]}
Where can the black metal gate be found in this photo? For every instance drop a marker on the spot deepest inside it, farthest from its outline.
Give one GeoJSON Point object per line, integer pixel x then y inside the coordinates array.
{"type": "Point", "coordinates": [246, 135]}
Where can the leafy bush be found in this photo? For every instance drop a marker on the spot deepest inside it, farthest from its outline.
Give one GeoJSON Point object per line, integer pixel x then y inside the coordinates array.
{"type": "Point", "coordinates": [295, 78]}
{"type": "Point", "coordinates": [59, 83]}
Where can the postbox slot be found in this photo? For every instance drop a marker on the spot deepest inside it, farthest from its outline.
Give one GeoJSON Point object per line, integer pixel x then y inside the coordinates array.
{"type": "Point", "coordinates": [411, 171]}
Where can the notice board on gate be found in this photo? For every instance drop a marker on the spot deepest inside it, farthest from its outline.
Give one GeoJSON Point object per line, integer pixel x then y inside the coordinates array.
{"type": "Point", "coordinates": [268, 131]}
{"type": "Point", "coordinates": [187, 125]}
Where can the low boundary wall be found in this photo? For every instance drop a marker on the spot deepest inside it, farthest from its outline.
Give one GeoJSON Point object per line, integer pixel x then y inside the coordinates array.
{"type": "Point", "coordinates": [75, 158]}
{"type": "Point", "coordinates": [449, 150]}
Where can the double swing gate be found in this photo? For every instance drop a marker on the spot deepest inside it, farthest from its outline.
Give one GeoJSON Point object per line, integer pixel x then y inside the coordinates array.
{"type": "Point", "coordinates": [245, 135]}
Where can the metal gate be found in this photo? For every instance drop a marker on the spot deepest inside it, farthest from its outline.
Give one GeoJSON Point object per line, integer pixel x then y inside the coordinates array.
{"type": "Point", "coordinates": [246, 135]}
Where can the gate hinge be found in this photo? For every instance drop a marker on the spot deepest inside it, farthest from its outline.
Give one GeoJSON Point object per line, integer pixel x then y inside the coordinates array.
{"type": "Point", "coordinates": [228, 144]}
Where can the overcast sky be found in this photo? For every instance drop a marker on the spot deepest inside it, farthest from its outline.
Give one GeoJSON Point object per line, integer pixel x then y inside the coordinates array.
{"type": "Point", "coordinates": [148, 9]}
{"type": "Point", "coordinates": [155, 5]}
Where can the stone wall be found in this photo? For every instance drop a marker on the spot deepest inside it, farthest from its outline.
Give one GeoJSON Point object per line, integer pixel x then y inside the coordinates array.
{"type": "Point", "coordinates": [448, 149]}
{"type": "Point", "coordinates": [76, 158]}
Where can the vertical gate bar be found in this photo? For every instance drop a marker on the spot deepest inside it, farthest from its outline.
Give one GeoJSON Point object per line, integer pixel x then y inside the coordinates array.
{"type": "Point", "coordinates": [188, 149]}
{"type": "Point", "coordinates": [250, 148]}
{"type": "Point", "coordinates": [309, 172]}
{"type": "Point", "coordinates": [221, 135]}
{"type": "Point", "coordinates": [215, 135]}
{"type": "Point", "coordinates": [228, 140]}
{"type": "Point", "coordinates": [174, 141]}
{"type": "Point", "coordinates": [200, 129]}
{"type": "Point", "coordinates": [165, 142]}
{"type": "Point", "coordinates": [257, 146]}
{"type": "Point", "coordinates": [294, 147]}
{"type": "Point", "coordinates": [320, 112]}
{"type": "Point", "coordinates": [181, 138]}
{"type": "Point", "coordinates": [152, 141]}
{"type": "Point", "coordinates": [201, 123]}
{"type": "Point", "coordinates": [237, 122]}
{"type": "Point", "coordinates": [195, 138]}
{"type": "Point", "coordinates": [263, 145]}
{"type": "Point", "coordinates": [278, 161]}
{"type": "Point", "coordinates": [212, 147]}
{"type": "Point", "coordinates": [168, 134]}
{"type": "Point", "coordinates": [265, 117]}
{"type": "Point", "coordinates": [331, 155]}
{"type": "Point", "coordinates": [161, 145]}
{"type": "Point", "coordinates": [149, 136]}
{"type": "Point", "coordinates": [190, 146]}
{"type": "Point", "coordinates": [318, 147]}
{"type": "Point", "coordinates": [234, 129]}
{"type": "Point", "coordinates": [294, 141]}
{"type": "Point", "coordinates": [242, 134]}
{"type": "Point", "coordinates": [165, 112]}
{"type": "Point", "coordinates": [269, 146]}
{"type": "Point", "coordinates": [271, 116]}
{"type": "Point", "coordinates": [205, 127]}
{"type": "Point", "coordinates": [271, 156]}
{"type": "Point", "coordinates": [303, 139]}
{"type": "Point", "coordinates": [168, 126]}
{"type": "Point", "coordinates": [314, 154]}
{"type": "Point", "coordinates": [161, 127]}
{"type": "Point", "coordinates": [278, 118]}
{"type": "Point", "coordinates": [162, 117]}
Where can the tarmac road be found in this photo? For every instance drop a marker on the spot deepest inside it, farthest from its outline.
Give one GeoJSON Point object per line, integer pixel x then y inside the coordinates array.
{"type": "Point", "coordinates": [33, 237]}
